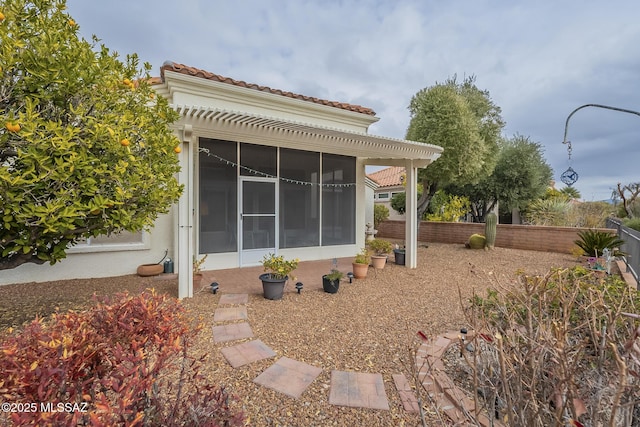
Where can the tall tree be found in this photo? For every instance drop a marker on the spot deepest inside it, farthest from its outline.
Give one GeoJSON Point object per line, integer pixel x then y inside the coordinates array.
{"type": "Point", "coordinates": [521, 175]}
{"type": "Point", "coordinates": [85, 146]}
{"type": "Point", "coordinates": [464, 121]}
{"type": "Point", "coordinates": [629, 194]}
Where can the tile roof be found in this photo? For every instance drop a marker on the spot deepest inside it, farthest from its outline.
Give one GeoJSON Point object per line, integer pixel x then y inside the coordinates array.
{"type": "Point", "coordinates": [191, 71]}
{"type": "Point", "coordinates": [389, 177]}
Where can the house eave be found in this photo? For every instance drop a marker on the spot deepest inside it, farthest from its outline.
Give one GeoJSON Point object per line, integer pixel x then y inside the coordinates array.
{"type": "Point", "coordinates": [219, 123]}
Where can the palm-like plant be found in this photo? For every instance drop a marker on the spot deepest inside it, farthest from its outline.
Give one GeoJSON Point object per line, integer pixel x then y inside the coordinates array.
{"type": "Point", "coordinates": [592, 242]}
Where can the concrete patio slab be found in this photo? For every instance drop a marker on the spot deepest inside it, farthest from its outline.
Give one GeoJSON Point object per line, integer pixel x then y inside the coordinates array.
{"type": "Point", "coordinates": [288, 376]}
{"type": "Point", "coordinates": [232, 332]}
{"type": "Point", "coordinates": [230, 313]}
{"type": "Point", "coordinates": [245, 353]}
{"type": "Point", "coordinates": [358, 389]}
{"type": "Point", "coordinates": [233, 299]}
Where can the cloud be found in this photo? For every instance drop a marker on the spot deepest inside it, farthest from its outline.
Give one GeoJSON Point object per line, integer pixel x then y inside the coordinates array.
{"type": "Point", "coordinates": [538, 60]}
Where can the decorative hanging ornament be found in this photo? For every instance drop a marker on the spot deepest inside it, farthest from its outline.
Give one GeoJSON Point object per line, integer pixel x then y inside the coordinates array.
{"type": "Point", "coordinates": [569, 177]}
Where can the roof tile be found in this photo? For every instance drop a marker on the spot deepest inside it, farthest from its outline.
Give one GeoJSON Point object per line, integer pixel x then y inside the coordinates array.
{"type": "Point", "coordinates": [196, 72]}
{"type": "Point", "coordinates": [389, 177]}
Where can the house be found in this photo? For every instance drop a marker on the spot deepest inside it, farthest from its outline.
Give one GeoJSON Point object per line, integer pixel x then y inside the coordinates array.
{"type": "Point", "coordinates": [264, 170]}
{"type": "Point", "coordinates": [390, 182]}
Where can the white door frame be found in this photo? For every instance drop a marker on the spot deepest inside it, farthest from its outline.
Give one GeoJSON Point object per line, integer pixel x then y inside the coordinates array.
{"type": "Point", "coordinates": [250, 257]}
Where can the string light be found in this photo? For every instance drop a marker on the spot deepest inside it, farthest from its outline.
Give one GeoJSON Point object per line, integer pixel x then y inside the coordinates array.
{"type": "Point", "coordinates": [266, 175]}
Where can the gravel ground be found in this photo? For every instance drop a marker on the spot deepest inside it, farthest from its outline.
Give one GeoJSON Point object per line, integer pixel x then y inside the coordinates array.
{"type": "Point", "coordinates": [368, 326]}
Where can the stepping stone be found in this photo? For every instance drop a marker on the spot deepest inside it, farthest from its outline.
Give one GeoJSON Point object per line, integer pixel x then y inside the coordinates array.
{"type": "Point", "coordinates": [234, 299]}
{"type": "Point", "coordinates": [230, 313]}
{"type": "Point", "coordinates": [407, 396]}
{"type": "Point", "coordinates": [357, 389]}
{"type": "Point", "coordinates": [288, 376]}
{"type": "Point", "coordinates": [231, 332]}
{"type": "Point", "coordinates": [248, 352]}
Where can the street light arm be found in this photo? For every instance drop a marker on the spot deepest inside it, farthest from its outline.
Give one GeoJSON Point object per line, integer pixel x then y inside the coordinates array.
{"type": "Point", "coordinates": [566, 125]}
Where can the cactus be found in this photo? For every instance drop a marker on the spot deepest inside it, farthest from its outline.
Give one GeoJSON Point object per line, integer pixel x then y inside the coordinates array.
{"type": "Point", "coordinates": [476, 241]}
{"type": "Point", "coordinates": [490, 225]}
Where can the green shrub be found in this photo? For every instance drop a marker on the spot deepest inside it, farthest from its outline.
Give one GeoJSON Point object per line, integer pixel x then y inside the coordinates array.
{"type": "Point", "coordinates": [380, 246]}
{"type": "Point", "coordinates": [633, 223]}
{"type": "Point", "coordinates": [592, 242]}
{"type": "Point", "coordinates": [125, 361]}
{"type": "Point", "coordinates": [380, 214]}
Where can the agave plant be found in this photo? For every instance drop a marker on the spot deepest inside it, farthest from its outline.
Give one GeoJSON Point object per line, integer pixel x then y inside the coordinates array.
{"type": "Point", "coordinates": [592, 242]}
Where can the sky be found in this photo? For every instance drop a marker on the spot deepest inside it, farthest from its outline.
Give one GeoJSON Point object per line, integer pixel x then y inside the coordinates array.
{"type": "Point", "coordinates": [539, 60]}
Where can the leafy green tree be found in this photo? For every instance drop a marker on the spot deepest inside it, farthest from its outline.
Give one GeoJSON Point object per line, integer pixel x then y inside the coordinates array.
{"type": "Point", "coordinates": [464, 121]}
{"type": "Point", "coordinates": [380, 214]}
{"type": "Point", "coordinates": [629, 195]}
{"type": "Point", "coordinates": [448, 207]}
{"type": "Point", "coordinates": [399, 202]}
{"type": "Point", "coordinates": [85, 146]}
{"type": "Point", "coordinates": [521, 176]}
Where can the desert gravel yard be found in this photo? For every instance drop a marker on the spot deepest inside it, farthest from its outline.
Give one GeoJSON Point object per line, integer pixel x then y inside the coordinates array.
{"type": "Point", "coordinates": [368, 326]}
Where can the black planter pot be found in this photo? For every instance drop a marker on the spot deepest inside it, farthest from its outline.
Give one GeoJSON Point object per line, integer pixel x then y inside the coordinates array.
{"type": "Point", "coordinates": [273, 288]}
{"type": "Point", "coordinates": [399, 253]}
{"type": "Point", "coordinates": [330, 286]}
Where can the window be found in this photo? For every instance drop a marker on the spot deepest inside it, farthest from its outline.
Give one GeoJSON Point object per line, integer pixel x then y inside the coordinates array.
{"type": "Point", "coordinates": [299, 201]}
{"type": "Point", "coordinates": [382, 196]}
{"type": "Point", "coordinates": [338, 199]}
{"type": "Point", "coordinates": [218, 197]}
{"type": "Point", "coordinates": [123, 241]}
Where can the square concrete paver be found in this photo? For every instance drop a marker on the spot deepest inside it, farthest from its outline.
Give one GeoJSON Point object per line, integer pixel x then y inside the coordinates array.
{"type": "Point", "coordinates": [358, 389]}
{"type": "Point", "coordinates": [248, 352]}
{"type": "Point", "coordinates": [288, 376]}
{"type": "Point", "coordinates": [234, 299]}
{"type": "Point", "coordinates": [230, 313]}
{"type": "Point", "coordinates": [407, 396]}
{"type": "Point", "coordinates": [231, 332]}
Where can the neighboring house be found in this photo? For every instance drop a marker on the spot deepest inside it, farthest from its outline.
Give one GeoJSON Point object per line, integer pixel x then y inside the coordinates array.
{"type": "Point", "coordinates": [264, 171]}
{"type": "Point", "coordinates": [390, 182]}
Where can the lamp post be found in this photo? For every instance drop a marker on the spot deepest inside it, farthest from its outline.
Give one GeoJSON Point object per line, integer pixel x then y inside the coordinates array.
{"type": "Point", "coordinates": [570, 176]}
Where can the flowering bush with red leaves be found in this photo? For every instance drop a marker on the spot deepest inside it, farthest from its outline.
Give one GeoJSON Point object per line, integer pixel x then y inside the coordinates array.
{"type": "Point", "coordinates": [122, 362]}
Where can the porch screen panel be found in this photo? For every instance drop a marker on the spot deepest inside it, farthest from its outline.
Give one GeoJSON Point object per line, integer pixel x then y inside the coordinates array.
{"type": "Point", "coordinates": [218, 202]}
{"type": "Point", "coordinates": [258, 160]}
{"type": "Point", "coordinates": [338, 199]}
{"type": "Point", "coordinates": [299, 198]}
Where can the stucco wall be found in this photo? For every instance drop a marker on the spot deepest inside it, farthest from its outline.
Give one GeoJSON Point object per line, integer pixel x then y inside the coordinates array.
{"type": "Point", "coordinates": [538, 238]}
{"type": "Point", "coordinates": [98, 264]}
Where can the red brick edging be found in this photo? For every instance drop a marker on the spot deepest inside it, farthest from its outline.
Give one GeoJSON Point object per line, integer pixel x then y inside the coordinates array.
{"type": "Point", "coordinates": [449, 398]}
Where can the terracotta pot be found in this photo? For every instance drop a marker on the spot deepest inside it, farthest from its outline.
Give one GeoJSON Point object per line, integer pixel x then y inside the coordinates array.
{"type": "Point", "coordinates": [360, 270]}
{"type": "Point", "coordinates": [197, 279]}
{"type": "Point", "coordinates": [378, 261]}
{"type": "Point", "coordinates": [145, 270]}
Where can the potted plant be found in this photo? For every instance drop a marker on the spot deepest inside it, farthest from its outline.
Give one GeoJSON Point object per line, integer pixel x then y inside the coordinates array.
{"type": "Point", "coordinates": [197, 271]}
{"type": "Point", "coordinates": [361, 264]}
{"type": "Point", "coordinates": [331, 281]}
{"type": "Point", "coordinates": [278, 271]}
{"type": "Point", "coordinates": [380, 248]}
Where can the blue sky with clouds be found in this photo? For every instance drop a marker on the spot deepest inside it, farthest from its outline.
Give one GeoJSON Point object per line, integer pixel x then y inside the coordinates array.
{"type": "Point", "coordinates": [539, 60]}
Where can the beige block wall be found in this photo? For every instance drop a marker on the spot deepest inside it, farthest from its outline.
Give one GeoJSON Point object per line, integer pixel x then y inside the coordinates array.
{"type": "Point", "coordinates": [530, 237]}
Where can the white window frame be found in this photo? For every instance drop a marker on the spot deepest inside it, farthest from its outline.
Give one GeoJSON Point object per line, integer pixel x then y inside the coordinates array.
{"type": "Point", "coordinates": [87, 246]}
